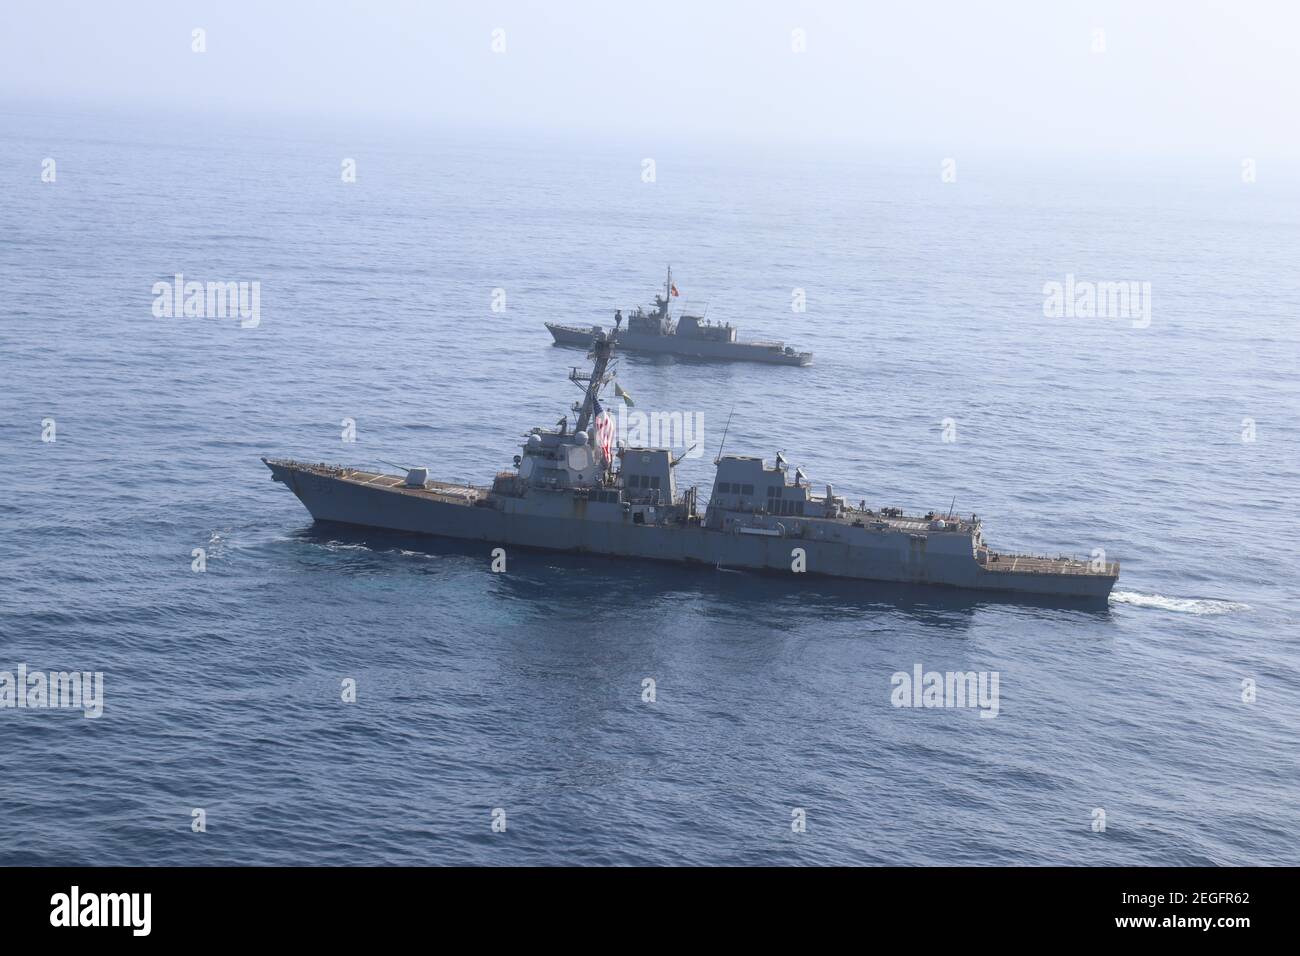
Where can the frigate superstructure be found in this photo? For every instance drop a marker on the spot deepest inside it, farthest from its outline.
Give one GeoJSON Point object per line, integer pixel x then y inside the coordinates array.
{"type": "Point", "coordinates": [690, 336]}
{"type": "Point", "coordinates": [572, 488]}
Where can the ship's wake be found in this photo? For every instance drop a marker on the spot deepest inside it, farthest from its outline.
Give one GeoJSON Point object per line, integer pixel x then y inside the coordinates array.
{"type": "Point", "coordinates": [1198, 606]}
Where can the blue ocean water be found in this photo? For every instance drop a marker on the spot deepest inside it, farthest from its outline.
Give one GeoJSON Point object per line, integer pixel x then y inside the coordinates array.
{"type": "Point", "coordinates": [523, 691]}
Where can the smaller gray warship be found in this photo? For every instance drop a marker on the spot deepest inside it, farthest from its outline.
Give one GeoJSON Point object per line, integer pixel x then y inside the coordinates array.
{"type": "Point", "coordinates": [573, 489]}
{"type": "Point", "coordinates": [690, 336]}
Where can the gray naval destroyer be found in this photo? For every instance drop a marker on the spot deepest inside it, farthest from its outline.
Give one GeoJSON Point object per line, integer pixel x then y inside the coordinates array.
{"type": "Point", "coordinates": [572, 490]}
{"type": "Point", "coordinates": [690, 336]}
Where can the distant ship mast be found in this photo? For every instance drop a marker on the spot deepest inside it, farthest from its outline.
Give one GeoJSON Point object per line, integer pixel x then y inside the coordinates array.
{"type": "Point", "coordinates": [663, 302]}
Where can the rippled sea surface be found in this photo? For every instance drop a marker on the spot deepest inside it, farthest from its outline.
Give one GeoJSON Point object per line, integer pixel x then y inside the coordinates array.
{"type": "Point", "coordinates": [523, 691]}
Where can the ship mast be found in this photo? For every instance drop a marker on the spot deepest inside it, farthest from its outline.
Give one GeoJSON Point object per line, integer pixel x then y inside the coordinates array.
{"type": "Point", "coordinates": [602, 348]}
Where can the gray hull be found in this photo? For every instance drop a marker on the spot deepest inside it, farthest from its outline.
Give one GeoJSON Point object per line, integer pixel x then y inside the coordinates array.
{"type": "Point", "coordinates": [558, 521]}
{"type": "Point", "coordinates": [772, 353]}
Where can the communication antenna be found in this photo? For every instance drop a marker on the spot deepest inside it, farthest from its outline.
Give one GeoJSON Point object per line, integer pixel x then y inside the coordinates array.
{"type": "Point", "coordinates": [723, 443]}
{"type": "Point", "coordinates": [678, 460]}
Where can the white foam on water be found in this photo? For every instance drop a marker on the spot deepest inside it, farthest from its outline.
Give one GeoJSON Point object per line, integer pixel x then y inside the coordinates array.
{"type": "Point", "coordinates": [216, 546]}
{"type": "Point", "coordinates": [1199, 606]}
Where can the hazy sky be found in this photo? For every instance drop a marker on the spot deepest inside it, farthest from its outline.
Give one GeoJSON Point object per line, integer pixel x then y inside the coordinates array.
{"type": "Point", "coordinates": [1209, 77]}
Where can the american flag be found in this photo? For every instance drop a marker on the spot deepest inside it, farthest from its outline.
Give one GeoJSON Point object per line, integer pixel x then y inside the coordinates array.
{"type": "Point", "coordinates": [604, 430]}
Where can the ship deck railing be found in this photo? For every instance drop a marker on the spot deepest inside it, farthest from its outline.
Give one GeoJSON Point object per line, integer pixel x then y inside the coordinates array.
{"type": "Point", "coordinates": [364, 476]}
{"type": "Point", "coordinates": [1040, 564]}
